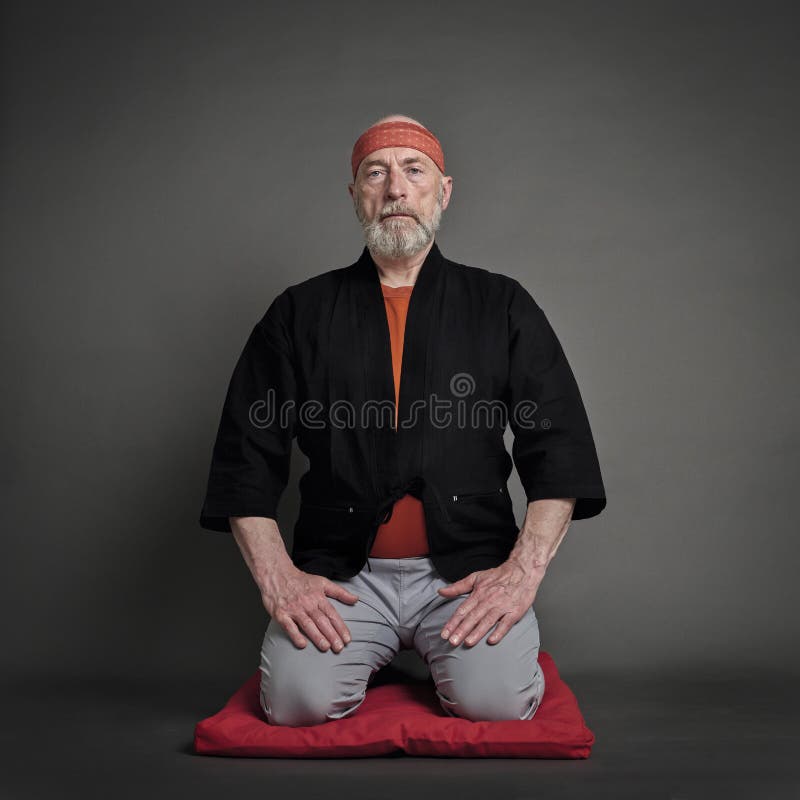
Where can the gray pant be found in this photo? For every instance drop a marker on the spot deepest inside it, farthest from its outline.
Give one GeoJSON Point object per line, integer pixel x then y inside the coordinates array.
{"type": "Point", "coordinates": [399, 608]}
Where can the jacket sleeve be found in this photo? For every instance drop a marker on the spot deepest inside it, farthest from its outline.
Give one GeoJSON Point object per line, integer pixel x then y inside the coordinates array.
{"type": "Point", "coordinates": [553, 448]}
{"type": "Point", "coordinates": [252, 452]}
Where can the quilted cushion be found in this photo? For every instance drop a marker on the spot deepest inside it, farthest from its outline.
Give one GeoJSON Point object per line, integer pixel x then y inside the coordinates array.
{"type": "Point", "coordinates": [400, 716]}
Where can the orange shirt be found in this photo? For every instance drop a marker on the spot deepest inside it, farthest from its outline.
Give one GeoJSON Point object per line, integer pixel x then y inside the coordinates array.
{"type": "Point", "coordinates": [404, 535]}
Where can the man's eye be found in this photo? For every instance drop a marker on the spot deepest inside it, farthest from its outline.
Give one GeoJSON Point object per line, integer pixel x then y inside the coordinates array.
{"type": "Point", "coordinates": [416, 169]}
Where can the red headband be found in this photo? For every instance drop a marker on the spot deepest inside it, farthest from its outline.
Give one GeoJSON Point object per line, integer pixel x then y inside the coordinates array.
{"type": "Point", "coordinates": [397, 134]}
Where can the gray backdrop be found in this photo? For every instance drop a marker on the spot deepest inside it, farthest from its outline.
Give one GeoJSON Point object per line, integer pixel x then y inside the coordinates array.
{"type": "Point", "coordinates": [166, 171]}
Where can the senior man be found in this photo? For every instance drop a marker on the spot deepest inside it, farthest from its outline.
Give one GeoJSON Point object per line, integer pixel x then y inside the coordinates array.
{"type": "Point", "coordinates": [398, 375]}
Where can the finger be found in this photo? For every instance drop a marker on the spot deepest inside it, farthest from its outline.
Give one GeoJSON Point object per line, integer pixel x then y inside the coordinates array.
{"type": "Point", "coordinates": [292, 631]}
{"type": "Point", "coordinates": [309, 627]}
{"type": "Point", "coordinates": [323, 622]}
{"type": "Point", "coordinates": [339, 592]}
{"type": "Point", "coordinates": [472, 621]}
{"type": "Point", "coordinates": [458, 617]}
{"type": "Point", "coordinates": [487, 614]}
{"type": "Point", "coordinates": [503, 627]}
{"type": "Point", "coordinates": [337, 622]}
{"type": "Point", "coordinates": [482, 628]}
{"type": "Point", "coordinates": [459, 587]}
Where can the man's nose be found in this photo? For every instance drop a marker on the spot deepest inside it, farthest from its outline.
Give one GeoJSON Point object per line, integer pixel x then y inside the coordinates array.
{"type": "Point", "coordinates": [395, 185]}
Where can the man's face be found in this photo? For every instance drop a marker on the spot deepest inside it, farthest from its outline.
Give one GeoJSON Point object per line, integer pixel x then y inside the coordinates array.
{"type": "Point", "coordinates": [399, 196]}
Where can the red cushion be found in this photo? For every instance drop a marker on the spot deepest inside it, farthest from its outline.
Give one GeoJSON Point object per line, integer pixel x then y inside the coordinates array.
{"type": "Point", "coordinates": [400, 716]}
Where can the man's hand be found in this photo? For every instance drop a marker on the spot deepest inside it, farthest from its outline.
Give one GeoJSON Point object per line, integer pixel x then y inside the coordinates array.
{"type": "Point", "coordinates": [294, 598]}
{"type": "Point", "coordinates": [298, 600]}
{"type": "Point", "coordinates": [499, 595]}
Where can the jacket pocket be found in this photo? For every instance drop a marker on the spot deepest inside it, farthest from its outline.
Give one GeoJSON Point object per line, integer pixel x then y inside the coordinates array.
{"type": "Point", "coordinates": [466, 497]}
{"type": "Point", "coordinates": [489, 510]}
{"type": "Point", "coordinates": [332, 528]}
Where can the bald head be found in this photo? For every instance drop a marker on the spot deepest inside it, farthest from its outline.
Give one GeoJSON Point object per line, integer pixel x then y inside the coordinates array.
{"type": "Point", "coordinates": [399, 118]}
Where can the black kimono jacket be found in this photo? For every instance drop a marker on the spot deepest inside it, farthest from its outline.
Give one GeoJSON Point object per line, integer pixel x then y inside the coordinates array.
{"type": "Point", "coordinates": [478, 354]}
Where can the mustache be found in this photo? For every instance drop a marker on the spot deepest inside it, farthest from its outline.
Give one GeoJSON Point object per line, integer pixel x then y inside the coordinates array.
{"type": "Point", "coordinates": [393, 211]}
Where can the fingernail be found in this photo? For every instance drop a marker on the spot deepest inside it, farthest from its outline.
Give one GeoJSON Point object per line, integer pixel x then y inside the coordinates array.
{"type": "Point", "coordinates": [445, 633]}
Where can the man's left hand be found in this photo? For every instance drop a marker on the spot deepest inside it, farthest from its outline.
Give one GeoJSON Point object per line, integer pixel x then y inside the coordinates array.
{"type": "Point", "coordinates": [500, 595]}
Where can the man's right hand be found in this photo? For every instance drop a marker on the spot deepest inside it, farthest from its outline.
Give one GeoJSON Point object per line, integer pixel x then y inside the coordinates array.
{"type": "Point", "coordinates": [298, 601]}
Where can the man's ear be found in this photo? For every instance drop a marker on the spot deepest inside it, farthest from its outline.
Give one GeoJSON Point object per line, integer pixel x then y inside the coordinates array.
{"type": "Point", "coordinates": [351, 188]}
{"type": "Point", "coordinates": [447, 184]}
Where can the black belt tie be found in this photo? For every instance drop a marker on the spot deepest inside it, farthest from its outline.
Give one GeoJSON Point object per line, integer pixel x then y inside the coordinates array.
{"type": "Point", "coordinates": [412, 487]}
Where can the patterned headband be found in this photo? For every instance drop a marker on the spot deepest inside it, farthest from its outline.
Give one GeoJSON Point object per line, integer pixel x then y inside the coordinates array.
{"type": "Point", "coordinates": [397, 134]}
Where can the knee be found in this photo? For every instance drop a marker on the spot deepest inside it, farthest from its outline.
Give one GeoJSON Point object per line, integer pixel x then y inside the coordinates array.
{"type": "Point", "coordinates": [295, 703]}
{"type": "Point", "coordinates": [494, 701]}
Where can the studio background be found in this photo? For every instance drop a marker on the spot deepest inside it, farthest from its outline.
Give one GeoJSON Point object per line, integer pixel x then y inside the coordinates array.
{"type": "Point", "coordinates": [167, 169]}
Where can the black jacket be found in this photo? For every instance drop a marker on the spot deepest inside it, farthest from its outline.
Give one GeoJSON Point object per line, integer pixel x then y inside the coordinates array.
{"type": "Point", "coordinates": [478, 353]}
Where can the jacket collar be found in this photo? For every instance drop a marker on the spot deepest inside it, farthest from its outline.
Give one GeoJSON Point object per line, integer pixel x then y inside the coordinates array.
{"type": "Point", "coordinates": [362, 368]}
{"type": "Point", "coordinates": [367, 269]}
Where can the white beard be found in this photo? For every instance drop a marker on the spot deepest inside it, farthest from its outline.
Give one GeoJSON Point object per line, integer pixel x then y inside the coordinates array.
{"type": "Point", "coordinates": [400, 237]}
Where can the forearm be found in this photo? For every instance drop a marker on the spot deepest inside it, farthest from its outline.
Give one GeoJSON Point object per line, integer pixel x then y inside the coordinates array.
{"type": "Point", "coordinates": [546, 524]}
{"type": "Point", "coordinates": [262, 547]}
